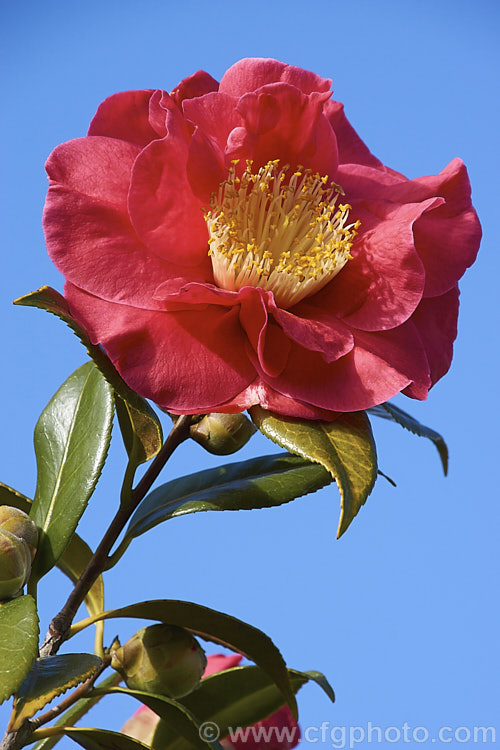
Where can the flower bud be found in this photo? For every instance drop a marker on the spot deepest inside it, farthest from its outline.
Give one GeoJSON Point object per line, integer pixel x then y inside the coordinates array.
{"type": "Point", "coordinates": [15, 564]}
{"type": "Point", "coordinates": [222, 434]}
{"type": "Point", "coordinates": [162, 659]}
{"type": "Point", "coordinates": [20, 524]}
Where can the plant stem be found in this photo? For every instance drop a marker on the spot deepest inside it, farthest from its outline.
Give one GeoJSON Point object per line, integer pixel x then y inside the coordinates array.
{"type": "Point", "coordinates": [75, 713]}
{"type": "Point", "coordinates": [62, 621]}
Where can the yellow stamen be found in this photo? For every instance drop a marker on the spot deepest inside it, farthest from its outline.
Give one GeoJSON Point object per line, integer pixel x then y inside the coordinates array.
{"type": "Point", "coordinates": [287, 236]}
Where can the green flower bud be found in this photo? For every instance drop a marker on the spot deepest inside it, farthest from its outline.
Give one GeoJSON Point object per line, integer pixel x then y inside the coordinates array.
{"type": "Point", "coordinates": [15, 564]}
{"type": "Point", "coordinates": [222, 434]}
{"type": "Point", "coordinates": [162, 659]}
{"type": "Point", "coordinates": [19, 523]}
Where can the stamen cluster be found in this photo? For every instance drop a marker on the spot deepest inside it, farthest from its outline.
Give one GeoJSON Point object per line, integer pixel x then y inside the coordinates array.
{"type": "Point", "coordinates": [282, 232]}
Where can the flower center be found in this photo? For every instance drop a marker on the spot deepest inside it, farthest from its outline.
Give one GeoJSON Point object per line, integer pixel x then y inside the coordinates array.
{"type": "Point", "coordinates": [285, 235]}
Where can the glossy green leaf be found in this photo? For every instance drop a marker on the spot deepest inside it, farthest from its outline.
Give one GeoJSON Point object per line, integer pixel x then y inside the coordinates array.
{"type": "Point", "coordinates": [142, 437]}
{"type": "Point", "coordinates": [257, 483]}
{"type": "Point", "coordinates": [238, 697]}
{"type": "Point", "coordinates": [320, 679]}
{"type": "Point", "coordinates": [72, 438]}
{"type": "Point", "coordinates": [96, 739]}
{"type": "Point", "coordinates": [49, 678]}
{"type": "Point", "coordinates": [141, 431]}
{"type": "Point", "coordinates": [179, 718]}
{"type": "Point", "coordinates": [213, 626]}
{"type": "Point", "coordinates": [345, 447]}
{"type": "Point", "coordinates": [18, 642]}
{"type": "Point", "coordinates": [77, 712]}
{"type": "Point", "coordinates": [395, 414]}
{"type": "Point", "coordinates": [73, 560]}
{"type": "Point", "coordinates": [147, 427]}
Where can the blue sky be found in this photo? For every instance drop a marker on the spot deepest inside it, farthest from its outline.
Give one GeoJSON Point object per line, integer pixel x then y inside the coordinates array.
{"type": "Point", "coordinates": [402, 613]}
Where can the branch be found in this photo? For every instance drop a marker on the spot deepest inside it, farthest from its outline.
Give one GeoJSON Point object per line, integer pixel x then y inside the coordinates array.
{"type": "Point", "coordinates": [62, 621]}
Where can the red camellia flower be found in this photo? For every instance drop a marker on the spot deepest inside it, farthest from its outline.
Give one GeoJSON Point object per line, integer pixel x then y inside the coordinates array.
{"type": "Point", "coordinates": [278, 732]}
{"type": "Point", "coordinates": [236, 243]}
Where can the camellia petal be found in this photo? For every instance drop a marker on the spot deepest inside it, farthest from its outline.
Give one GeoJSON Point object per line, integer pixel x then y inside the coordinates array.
{"type": "Point", "coordinates": [125, 116]}
{"type": "Point", "coordinates": [164, 211]}
{"type": "Point", "coordinates": [151, 349]}
{"type": "Point", "coordinates": [453, 227]}
{"type": "Point", "coordinates": [198, 84]}
{"type": "Point", "coordinates": [280, 119]}
{"type": "Point", "coordinates": [383, 284]}
{"type": "Point", "coordinates": [361, 378]}
{"type": "Point", "coordinates": [215, 114]}
{"type": "Point", "coordinates": [87, 201]}
{"type": "Point", "coordinates": [238, 244]}
{"type": "Point", "coordinates": [446, 238]}
{"type": "Point", "coordinates": [351, 147]}
{"type": "Point", "coordinates": [436, 322]}
{"type": "Point", "coordinates": [315, 330]}
{"type": "Point", "coordinates": [253, 73]}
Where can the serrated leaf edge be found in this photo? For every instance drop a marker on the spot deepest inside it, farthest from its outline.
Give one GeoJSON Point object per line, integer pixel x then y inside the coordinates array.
{"type": "Point", "coordinates": [19, 716]}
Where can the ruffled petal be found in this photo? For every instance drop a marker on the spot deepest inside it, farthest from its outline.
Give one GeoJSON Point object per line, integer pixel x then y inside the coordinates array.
{"type": "Point", "coordinates": [282, 122]}
{"type": "Point", "coordinates": [159, 104]}
{"type": "Point", "coordinates": [402, 349]}
{"type": "Point", "coordinates": [205, 167]}
{"type": "Point", "coordinates": [267, 339]}
{"type": "Point", "coordinates": [436, 322]}
{"type": "Point", "coordinates": [183, 293]}
{"type": "Point", "coordinates": [446, 238]}
{"type": "Point", "coordinates": [184, 361]}
{"type": "Point", "coordinates": [214, 117]}
{"type": "Point", "coordinates": [215, 114]}
{"type": "Point", "coordinates": [253, 72]}
{"type": "Point", "coordinates": [351, 147]}
{"type": "Point", "coordinates": [368, 183]}
{"type": "Point", "coordinates": [87, 228]}
{"type": "Point", "coordinates": [125, 116]}
{"type": "Point", "coordinates": [354, 382]}
{"type": "Point", "coordinates": [165, 213]}
{"type": "Point", "coordinates": [316, 330]}
{"type": "Point", "coordinates": [260, 393]}
{"type": "Point", "coordinates": [198, 84]}
{"type": "Point", "coordinates": [383, 283]}
{"type": "Point", "coordinates": [268, 343]}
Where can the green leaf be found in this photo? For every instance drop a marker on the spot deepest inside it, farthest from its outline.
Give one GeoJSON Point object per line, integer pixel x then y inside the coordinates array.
{"type": "Point", "coordinates": [320, 679]}
{"type": "Point", "coordinates": [96, 739]}
{"type": "Point", "coordinates": [49, 678]}
{"type": "Point", "coordinates": [77, 712]}
{"type": "Point", "coordinates": [73, 560]}
{"type": "Point", "coordinates": [18, 642]}
{"type": "Point", "coordinates": [237, 697]}
{"type": "Point", "coordinates": [50, 300]}
{"type": "Point", "coordinates": [179, 718]}
{"type": "Point", "coordinates": [142, 437]}
{"type": "Point", "coordinates": [15, 499]}
{"type": "Point", "coordinates": [345, 448]}
{"type": "Point", "coordinates": [395, 414]}
{"type": "Point", "coordinates": [141, 431]}
{"type": "Point", "coordinates": [213, 626]}
{"type": "Point", "coordinates": [257, 483]}
{"type": "Point", "coordinates": [72, 438]}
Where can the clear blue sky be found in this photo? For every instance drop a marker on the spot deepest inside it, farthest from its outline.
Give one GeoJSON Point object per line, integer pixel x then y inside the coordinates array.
{"type": "Point", "coordinates": [402, 614]}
